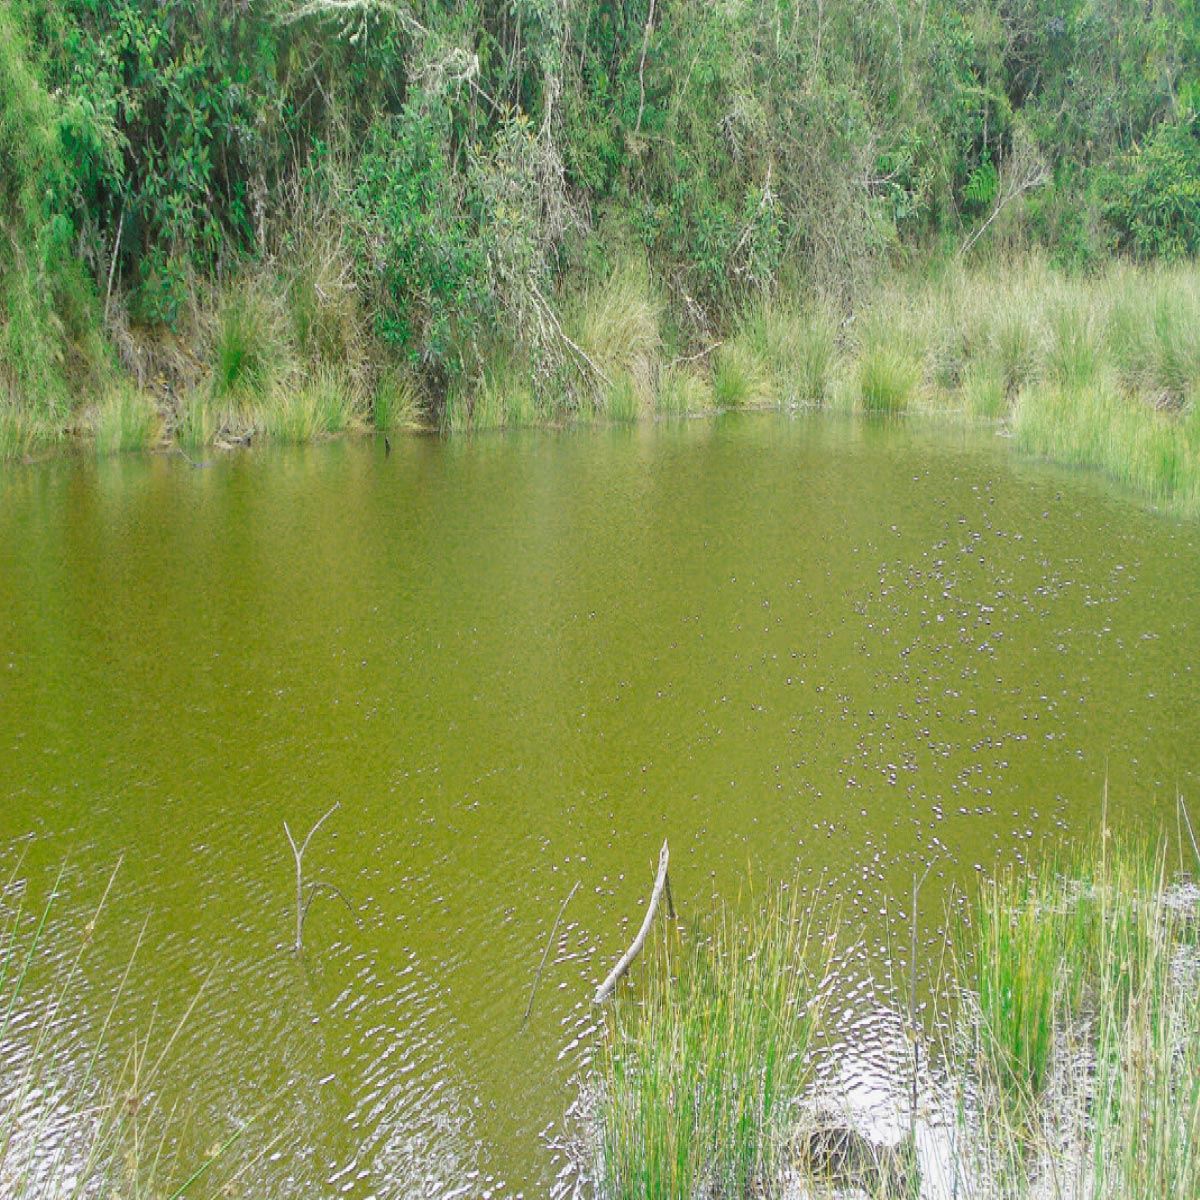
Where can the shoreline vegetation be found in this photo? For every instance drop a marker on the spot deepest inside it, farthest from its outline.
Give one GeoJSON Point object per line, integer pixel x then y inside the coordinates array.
{"type": "Point", "coordinates": [1100, 373]}
{"type": "Point", "coordinates": [1061, 1054]}
{"type": "Point", "coordinates": [294, 219]}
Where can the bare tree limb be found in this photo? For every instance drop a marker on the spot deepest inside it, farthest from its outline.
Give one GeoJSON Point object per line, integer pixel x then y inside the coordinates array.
{"type": "Point", "coordinates": [614, 976]}
{"type": "Point", "coordinates": [577, 350]}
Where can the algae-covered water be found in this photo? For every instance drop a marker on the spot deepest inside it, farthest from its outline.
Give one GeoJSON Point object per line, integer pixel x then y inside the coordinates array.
{"type": "Point", "coordinates": [787, 645]}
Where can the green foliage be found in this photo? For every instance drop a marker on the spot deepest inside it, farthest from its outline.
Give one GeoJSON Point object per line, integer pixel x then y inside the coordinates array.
{"type": "Point", "coordinates": [1155, 201]}
{"type": "Point", "coordinates": [416, 237]}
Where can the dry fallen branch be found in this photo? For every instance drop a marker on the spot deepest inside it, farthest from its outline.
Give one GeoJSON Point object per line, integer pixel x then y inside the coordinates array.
{"type": "Point", "coordinates": [660, 885]}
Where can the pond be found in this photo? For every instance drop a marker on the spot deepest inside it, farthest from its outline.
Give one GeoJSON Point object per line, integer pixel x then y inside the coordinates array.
{"type": "Point", "coordinates": [789, 645]}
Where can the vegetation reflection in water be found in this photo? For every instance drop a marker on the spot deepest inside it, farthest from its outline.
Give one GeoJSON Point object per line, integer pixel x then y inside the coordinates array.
{"type": "Point", "coordinates": [869, 648]}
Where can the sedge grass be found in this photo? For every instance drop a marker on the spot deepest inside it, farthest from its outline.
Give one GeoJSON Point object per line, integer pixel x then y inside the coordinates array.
{"type": "Point", "coordinates": [125, 420]}
{"type": "Point", "coordinates": [741, 375]}
{"type": "Point", "coordinates": [329, 402]}
{"type": "Point", "coordinates": [700, 1066]}
{"type": "Point", "coordinates": [617, 323]}
{"type": "Point", "coordinates": [22, 433]}
{"type": "Point", "coordinates": [1084, 1024]}
{"type": "Point", "coordinates": [395, 403]}
{"type": "Point", "coordinates": [683, 390]}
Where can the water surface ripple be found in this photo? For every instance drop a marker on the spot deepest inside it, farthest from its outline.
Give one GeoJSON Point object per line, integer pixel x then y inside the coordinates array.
{"type": "Point", "coordinates": [791, 646]}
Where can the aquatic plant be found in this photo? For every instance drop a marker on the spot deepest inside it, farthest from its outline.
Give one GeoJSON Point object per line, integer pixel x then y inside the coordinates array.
{"type": "Point", "coordinates": [96, 1125]}
{"type": "Point", "coordinates": [1082, 1022]}
{"type": "Point", "coordinates": [616, 323]}
{"type": "Point", "coordinates": [741, 375]}
{"type": "Point", "coordinates": [683, 389]}
{"type": "Point", "coordinates": [700, 1063]}
{"type": "Point", "coordinates": [326, 403]}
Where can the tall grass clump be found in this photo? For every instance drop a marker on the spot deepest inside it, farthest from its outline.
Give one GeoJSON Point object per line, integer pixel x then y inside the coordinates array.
{"type": "Point", "coordinates": [1084, 1026]}
{"type": "Point", "coordinates": [797, 345]}
{"type": "Point", "coordinates": [125, 419]}
{"type": "Point", "coordinates": [21, 433]}
{"type": "Point", "coordinates": [887, 375]}
{"type": "Point", "coordinates": [616, 323]}
{"type": "Point", "coordinates": [699, 1068]}
{"type": "Point", "coordinates": [683, 390]}
{"type": "Point", "coordinates": [251, 348]}
{"type": "Point", "coordinates": [741, 374]}
{"type": "Point", "coordinates": [326, 403]}
{"type": "Point", "coordinates": [395, 402]}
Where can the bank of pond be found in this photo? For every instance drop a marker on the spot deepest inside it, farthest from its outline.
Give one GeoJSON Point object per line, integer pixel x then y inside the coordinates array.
{"type": "Point", "coordinates": [1098, 372]}
{"type": "Point", "coordinates": [1055, 1052]}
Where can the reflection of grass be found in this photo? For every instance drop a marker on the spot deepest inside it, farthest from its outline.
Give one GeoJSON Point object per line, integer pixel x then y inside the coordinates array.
{"type": "Point", "coordinates": [76, 1128]}
{"type": "Point", "coordinates": [699, 1068]}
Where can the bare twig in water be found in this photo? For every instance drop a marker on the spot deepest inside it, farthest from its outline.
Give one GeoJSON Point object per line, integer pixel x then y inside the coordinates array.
{"type": "Point", "coordinates": [614, 976]}
{"type": "Point", "coordinates": [546, 953]}
{"type": "Point", "coordinates": [298, 854]}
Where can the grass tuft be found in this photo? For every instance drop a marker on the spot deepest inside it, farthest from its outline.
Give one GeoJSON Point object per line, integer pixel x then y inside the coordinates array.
{"type": "Point", "coordinates": [700, 1066]}
{"type": "Point", "coordinates": [251, 349]}
{"type": "Point", "coordinates": [125, 420]}
{"type": "Point", "coordinates": [327, 403]}
{"type": "Point", "coordinates": [741, 375]}
{"type": "Point", "coordinates": [887, 377]}
{"type": "Point", "coordinates": [684, 389]}
{"type": "Point", "coordinates": [617, 324]}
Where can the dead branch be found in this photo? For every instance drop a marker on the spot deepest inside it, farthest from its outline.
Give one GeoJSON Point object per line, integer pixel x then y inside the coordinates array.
{"type": "Point", "coordinates": [614, 976]}
{"type": "Point", "coordinates": [298, 854]}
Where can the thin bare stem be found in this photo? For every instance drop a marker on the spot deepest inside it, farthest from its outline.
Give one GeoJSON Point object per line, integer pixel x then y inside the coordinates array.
{"type": "Point", "coordinates": [546, 953]}
{"type": "Point", "coordinates": [298, 854]}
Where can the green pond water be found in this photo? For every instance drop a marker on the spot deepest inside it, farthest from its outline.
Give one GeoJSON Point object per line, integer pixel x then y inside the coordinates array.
{"type": "Point", "coordinates": [789, 646]}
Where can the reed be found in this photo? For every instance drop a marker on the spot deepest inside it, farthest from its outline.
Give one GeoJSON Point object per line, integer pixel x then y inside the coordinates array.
{"type": "Point", "coordinates": [22, 433]}
{"type": "Point", "coordinates": [96, 1125]}
{"type": "Point", "coordinates": [1083, 1027]}
{"type": "Point", "coordinates": [887, 377]}
{"type": "Point", "coordinates": [699, 1067]}
{"type": "Point", "coordinates": [741, 375]}
{"type": "Point", "coordinates": [396, 402]}
{"type": "Point", "coordinates": [327, 403]}
{"type": "Point", "coordinates": [684, 389]}
{"type": "Point", "coordinates": [251, 348]}
{"type": "Point", "coordinates": [124, 420]}
{"type": "Point", "coordinates": [796, 343]}
{"type": "Point", "coordinates": [617, 324]}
